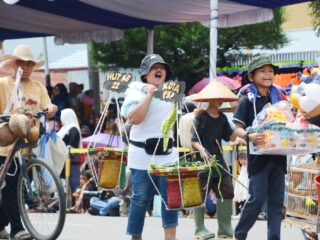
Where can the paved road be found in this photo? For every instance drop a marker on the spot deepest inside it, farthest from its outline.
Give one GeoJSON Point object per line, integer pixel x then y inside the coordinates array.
{"type": "Point", "coordinates": [87, 227]}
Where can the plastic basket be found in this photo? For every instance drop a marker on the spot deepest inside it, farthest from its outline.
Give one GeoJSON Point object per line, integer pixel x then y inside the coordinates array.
{"type": "Point", "coordinates": [188, 196]}
{"type": "Point", "coordinates": [110, 168]}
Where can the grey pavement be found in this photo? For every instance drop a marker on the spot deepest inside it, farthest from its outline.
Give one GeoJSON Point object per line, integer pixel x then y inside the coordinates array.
{"type": "Point", "coordinates": [85, 226]}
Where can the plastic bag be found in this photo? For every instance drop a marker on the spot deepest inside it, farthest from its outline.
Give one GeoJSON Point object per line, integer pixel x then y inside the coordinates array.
{"type": "Point", "coordinates": [278, 112]}
{"type": "Point", "coordinates": [52, 149]}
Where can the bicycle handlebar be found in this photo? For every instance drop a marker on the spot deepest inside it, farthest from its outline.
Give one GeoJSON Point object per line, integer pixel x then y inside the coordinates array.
{"type": "Point", "coordinates": [38, 114]}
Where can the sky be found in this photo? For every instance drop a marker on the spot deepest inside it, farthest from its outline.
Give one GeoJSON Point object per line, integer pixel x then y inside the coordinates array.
{"type": "Point", "coordinates": [54, 52]}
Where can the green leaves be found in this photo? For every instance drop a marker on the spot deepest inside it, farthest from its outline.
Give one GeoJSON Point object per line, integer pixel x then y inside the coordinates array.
{"type": "Point", "coordinates": [315, 14]}
{"type": "Point", "coordinates": [167, 125]}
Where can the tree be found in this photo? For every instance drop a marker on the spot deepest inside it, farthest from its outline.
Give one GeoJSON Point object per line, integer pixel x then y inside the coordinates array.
{"type": "Point", "coordinates": [186, 46]}
{"type": "Point", "coordinates": [267, 35]}
{"type": "Point", "coordinates": [315, 14]}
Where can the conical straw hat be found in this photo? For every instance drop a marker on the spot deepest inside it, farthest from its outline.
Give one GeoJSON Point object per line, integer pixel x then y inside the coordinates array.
{"type": "Point", "coordinates": [215, 90]}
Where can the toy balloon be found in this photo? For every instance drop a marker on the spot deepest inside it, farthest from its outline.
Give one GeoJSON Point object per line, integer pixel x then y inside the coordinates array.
{"type": "Point", "coordinates": [294, 99]}
{"type": "Point", "coordinates": [312, 91]}
{"type": "Point", "coordinates": [307, 104]}
{"type": "Point", "coordinates": [11, 1]}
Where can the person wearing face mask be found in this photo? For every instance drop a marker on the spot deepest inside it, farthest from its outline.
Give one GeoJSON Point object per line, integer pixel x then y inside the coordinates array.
{"type": "Point", "coordinates": [146, 114]}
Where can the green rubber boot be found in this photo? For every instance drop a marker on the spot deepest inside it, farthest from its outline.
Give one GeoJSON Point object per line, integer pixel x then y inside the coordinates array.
{"type": "Point", "coordinates": [201, 232]}
{"type": "Point", "coordinates": [224, 212]}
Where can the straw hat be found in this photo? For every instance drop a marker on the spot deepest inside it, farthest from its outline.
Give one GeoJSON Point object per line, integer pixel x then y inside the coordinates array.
{"type": "Point", "coordinates": [215, 90]}
{"type": "Point", "coordinates": [228, 106]}
{"type": "Point", "coordinates": [24, 53]}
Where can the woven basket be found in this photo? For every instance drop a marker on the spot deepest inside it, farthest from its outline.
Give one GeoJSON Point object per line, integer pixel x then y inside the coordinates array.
{"type": "Point", "coordinates": [191, 191]}
{"type": "Point", "coordinates": [110, 168]}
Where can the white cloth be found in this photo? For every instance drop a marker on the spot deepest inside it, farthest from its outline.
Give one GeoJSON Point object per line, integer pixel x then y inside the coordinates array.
{"type": "Point", "coordinates": [231, 14]}
{"type": "Point", "coordinates": [150, 127]}
{"type": "Point", "coordinates": [185, 129]}
{"type": "Point", "coordinates": [240, 193]}
{"type": "Point", "coordinates": [68, 121]}
{"type": "Point", "coordinates": [134, 95]}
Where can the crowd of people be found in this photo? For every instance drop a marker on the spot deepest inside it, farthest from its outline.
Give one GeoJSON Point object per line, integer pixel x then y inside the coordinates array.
{"type": "Point", "coordinates": [261, 177]}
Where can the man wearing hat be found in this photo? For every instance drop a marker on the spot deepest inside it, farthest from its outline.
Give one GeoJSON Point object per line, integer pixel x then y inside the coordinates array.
{"type": "Point", "coordinates": [146, 114]}
{"type": "Point", "coordinates": [33, 97]}
{"type": "Point", "coordinates": [266, 172]}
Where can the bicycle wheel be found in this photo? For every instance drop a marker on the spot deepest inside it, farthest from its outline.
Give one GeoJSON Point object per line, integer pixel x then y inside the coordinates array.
{"type": "Point", "coordinates": [41, 200]}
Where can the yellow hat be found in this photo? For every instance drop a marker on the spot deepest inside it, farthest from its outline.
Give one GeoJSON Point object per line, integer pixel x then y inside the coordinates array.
{"type": "Point", "coordinates": [215, 90]}
{"type": "Point", "coordinates": [24, 53]}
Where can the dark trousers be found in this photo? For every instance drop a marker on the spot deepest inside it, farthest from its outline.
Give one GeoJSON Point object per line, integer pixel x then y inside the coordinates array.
{"type": "Point", "coordinates": [9, 212]}
{"type": "Point", "coordinates": [267, 185]}
{"type": "Point", "coordinates": [226, 187]}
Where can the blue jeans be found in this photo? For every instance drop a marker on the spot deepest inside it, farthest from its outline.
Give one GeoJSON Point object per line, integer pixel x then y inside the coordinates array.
{"type": "Point", "coordinates": [142, 192]}
{"type": "Point", "coordinates": [104, 206]}
{"type": "Point", "coordinates": [265, 186]}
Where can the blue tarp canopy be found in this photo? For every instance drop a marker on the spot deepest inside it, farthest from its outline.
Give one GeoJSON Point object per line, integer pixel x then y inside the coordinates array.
{"type": "Point", "coordinates": [82, 20]}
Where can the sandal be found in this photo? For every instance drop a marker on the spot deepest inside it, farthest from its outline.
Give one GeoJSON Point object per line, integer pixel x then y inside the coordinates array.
{"type": "Point", "coordinates": [22, 235]}
{"type": "Point", "coordinates": [4, 234]}
{"type": "Point", "coordinates": [72, 210]}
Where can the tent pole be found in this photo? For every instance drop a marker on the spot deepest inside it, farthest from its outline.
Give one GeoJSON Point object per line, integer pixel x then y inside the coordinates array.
{"type": "Point", "coordinates": [213, 39]}
{"type": "Point", "coordinates": [94, 81]}
{"type": "Point", "coordinates": [46, 68]}
{"type": "Point", "coordinates": [150, 49]}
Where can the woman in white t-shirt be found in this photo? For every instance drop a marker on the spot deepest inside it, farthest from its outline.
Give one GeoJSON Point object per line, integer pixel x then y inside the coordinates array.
{"type": "Point", "coordinates": [147, 113]}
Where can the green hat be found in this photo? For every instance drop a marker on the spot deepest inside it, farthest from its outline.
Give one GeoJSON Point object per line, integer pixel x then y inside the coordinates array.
{"type": "Point", "coordinates": [259, 62]}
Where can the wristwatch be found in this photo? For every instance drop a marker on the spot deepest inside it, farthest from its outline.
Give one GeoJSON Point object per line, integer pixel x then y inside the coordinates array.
{"type": "Point", "coordinates": [246, 137]}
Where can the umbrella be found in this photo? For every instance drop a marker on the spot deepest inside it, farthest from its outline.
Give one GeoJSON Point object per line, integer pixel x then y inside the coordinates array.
{"type": "Point", "coordinates": [232, 84]}
{"type": "Point", "coordinates": [104, 140]}
{"type": "Point", "coordinates": [199, 86]}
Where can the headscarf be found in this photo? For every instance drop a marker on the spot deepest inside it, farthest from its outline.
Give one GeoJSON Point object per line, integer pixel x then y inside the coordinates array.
{"type": "Point", "coordinates": [61, 100]}
{"type": "Point", "coordinates": [68, 121]}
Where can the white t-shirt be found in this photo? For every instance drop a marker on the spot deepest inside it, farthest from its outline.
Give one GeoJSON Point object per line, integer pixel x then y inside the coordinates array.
{"type": "Point", "coordinates": [150, 127]}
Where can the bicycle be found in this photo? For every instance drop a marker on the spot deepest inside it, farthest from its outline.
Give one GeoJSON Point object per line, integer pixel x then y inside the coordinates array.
{"type": "Point", "coordinates": [41, 198]}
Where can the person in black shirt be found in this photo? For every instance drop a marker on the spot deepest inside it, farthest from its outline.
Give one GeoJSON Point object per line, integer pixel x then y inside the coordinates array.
{"type": "Point", "coordinates": [266, 172]}
{"type": "Point", "coordinates": [211, 127]}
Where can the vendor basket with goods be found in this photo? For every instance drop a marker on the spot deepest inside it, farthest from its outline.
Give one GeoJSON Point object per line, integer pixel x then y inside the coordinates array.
{"type": "Point", "coordinates": [286, 139]}
{"type": "Point", "coordinates": [283, 135]}
{"type": "Point", "coordinates": [183, 183]}
{"type": "Point", "coordinates": [108, 163]}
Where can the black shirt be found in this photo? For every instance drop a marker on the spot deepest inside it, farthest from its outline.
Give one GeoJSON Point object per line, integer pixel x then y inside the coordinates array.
{"type": "Point", "coordinates": [72, 138]}
{"type": "Point", "coordinates": [211, 129]}
{"type": "Point", "coordinates": [245, 115]}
